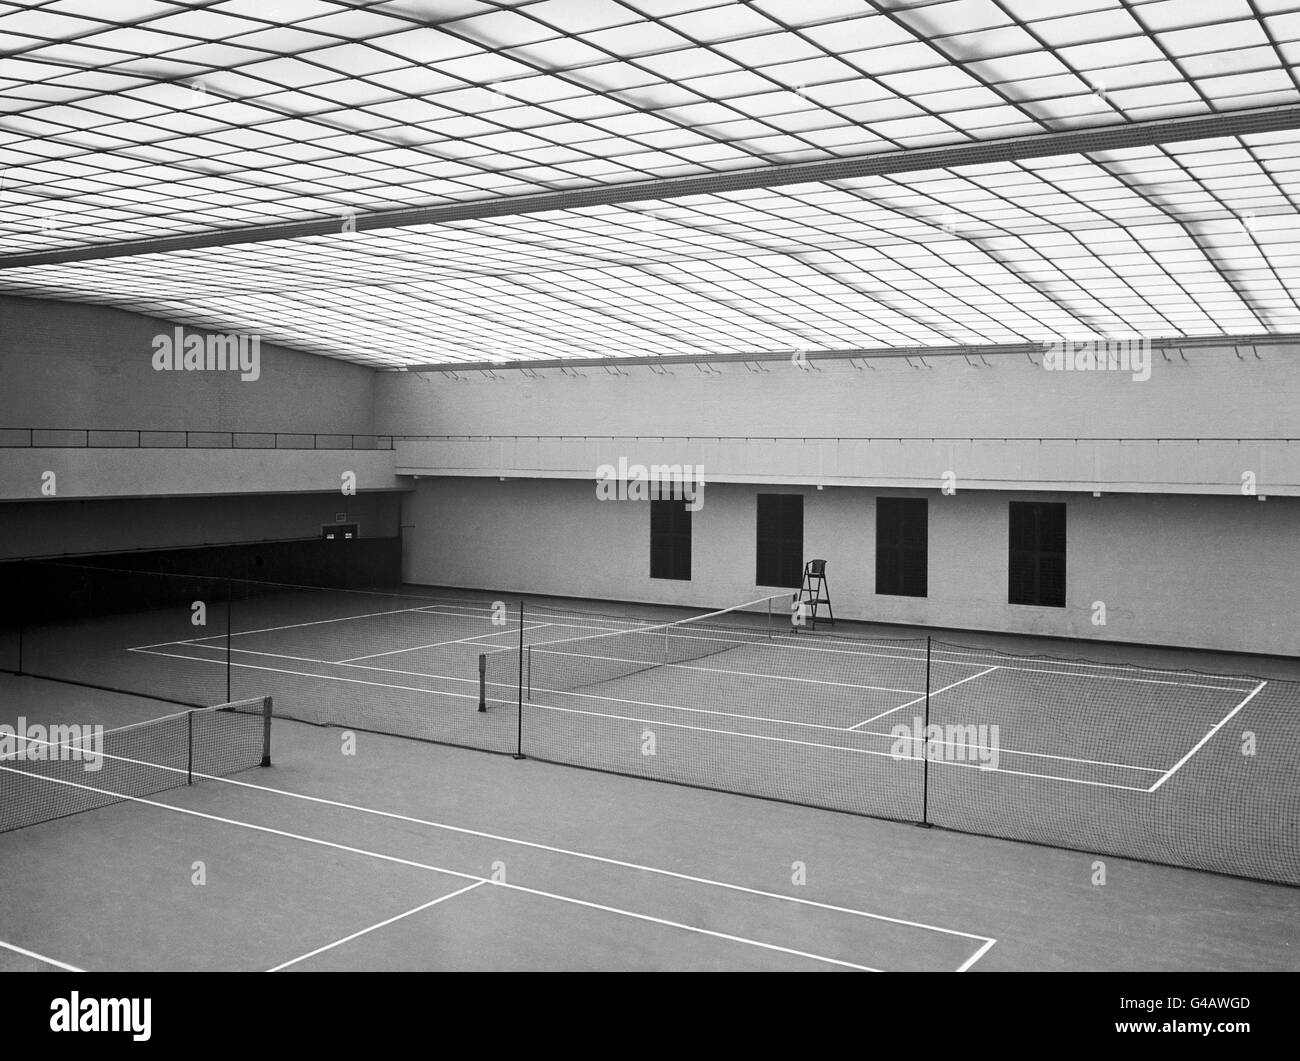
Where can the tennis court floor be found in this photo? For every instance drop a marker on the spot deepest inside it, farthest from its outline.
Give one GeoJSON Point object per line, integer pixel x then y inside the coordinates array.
{"type": "Point", "coordinates": [413, 856]}
{"type": "Point", "coordinates": [430, 652]}
{"type": "Point", "coordinates": [1108, 757]}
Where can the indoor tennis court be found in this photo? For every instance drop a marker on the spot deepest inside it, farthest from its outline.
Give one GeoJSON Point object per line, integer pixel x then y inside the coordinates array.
{"type": "Point", "coordinates": [377, 863]}
{"type": "Point", "coordinates": [647, 485]}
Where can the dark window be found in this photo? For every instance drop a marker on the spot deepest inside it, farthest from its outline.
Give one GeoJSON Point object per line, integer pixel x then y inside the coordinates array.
{"type": "Point", "coordinates": [780, 540]}
{"type": "Point", "coordinates": [670, 540]}
{"type": "Point", "coordinates": [1037, 554]}
{"type": "Point", "coordinates": [901, 546]}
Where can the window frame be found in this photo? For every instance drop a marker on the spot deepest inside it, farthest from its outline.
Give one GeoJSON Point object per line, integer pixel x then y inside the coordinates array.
{"type": "Point", "coordinates": [1026, 563]}
{"type": "Point", "coordinates": [784, 542]}
{"type": "Point", "coordinates": [892, 557]}
{"type": "Point", "coordinates": [669, 542]}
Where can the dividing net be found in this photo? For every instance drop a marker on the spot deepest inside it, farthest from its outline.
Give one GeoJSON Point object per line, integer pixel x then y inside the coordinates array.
{"type": "Point", "coordinates": [43, 779]}
{"type": "Point", "coordinates": [572, 663]}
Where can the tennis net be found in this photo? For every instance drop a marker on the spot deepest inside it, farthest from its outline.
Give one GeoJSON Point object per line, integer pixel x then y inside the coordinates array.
{"type": "Point", "coordinates": [572, 663]}
{"type": "Point", "coordinates": [43, 779]}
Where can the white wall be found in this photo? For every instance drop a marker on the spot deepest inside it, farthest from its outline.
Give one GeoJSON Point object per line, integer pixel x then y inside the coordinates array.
{"type": "Point", "coordinates": [63, 364]}
{"type": "Point", "coordinates": [1218, 573]}
{"type": "Point", "coordinates": [1211, 393]}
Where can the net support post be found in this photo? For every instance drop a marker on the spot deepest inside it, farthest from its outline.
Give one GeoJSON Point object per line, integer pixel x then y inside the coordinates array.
{"type": "Point", "coordinates": [230, 592]}
{"type": "Point", "coordinates": [482, 681]}
{"type": "Point", "coordinates": [266, 730]}
{"type": "Point", "coordinates": [925, 747]}
{"type": "Point", "coordinates": [189, 747]}
{"type": "Point", "coordinates": [519, 730]}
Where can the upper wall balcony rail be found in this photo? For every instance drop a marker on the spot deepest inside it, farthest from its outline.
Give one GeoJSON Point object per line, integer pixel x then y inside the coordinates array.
{"type": "Point", "coordinates": [1088, 439]}
{"type": "Point", "coordinates": [117, 438]}
{"type": "Point", "coordinates": [121, 438]}
{"type": "Point", "coordinates": [1197, 464]}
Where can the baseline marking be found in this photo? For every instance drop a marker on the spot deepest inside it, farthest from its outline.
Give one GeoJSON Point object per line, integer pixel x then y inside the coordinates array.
{"type": "Point", "coordinates": [379, 925]}
{"type": "Point", "coordinates": [909, 703]}
{"type": "Point", "coordinates": [1201, 743]}
{"type": "Point", "coordinates": [40, 957]}
{"type": "Point", "coordinates": [122, 797]}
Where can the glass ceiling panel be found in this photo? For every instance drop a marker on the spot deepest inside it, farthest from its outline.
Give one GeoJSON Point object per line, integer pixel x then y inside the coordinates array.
{"type": "Point", "coordinates": [167, 120]}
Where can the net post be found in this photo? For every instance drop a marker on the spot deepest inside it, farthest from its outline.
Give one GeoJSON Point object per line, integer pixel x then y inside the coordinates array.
{"type": "Point", "coordinates": [267, 711]}
{"type": "Point", "coordinates": [519, 730]}
{"type": "Point", "coordinates": [925, 746]}
{"type": "Point", "coordinates": [229, 593]}
{"type": "Point", "coordinates": [482, 681]}
{"type": "Point", "coordinates": [189, 747]}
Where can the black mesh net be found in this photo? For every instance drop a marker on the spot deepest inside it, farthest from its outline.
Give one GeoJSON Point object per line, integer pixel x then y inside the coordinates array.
{"type": "Point", "coordinates": [393, 663]}
{"type": "Point", "coordinates": [1180, 767]}
{"type": "Point", "coordinates": [735, 700]}
{"type": "Point", "coordinates": [160, 635]}
{"type": "Point", "coordinates": [52, 771]}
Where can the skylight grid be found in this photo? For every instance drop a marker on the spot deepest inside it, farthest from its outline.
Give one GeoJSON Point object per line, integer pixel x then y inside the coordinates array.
{"type": "Point", "coordinates": [175, 121]}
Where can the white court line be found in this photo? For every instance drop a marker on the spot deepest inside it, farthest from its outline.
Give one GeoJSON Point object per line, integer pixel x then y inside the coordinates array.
{"type": "Point", "coordinates": [835, 747]}
{"type": "Point", "coordinates": [1201, 743]}
{"type": "Point", "coordinates": [985, 656]}
{"type": "Point", "coordinates": [602, 859]}
{"type": "Point", "coordinates": [528, 625]}
{"type": "Point", "coordinates": [416, 648]}
{"type": "Point", "coordinates": [548, 619]}
{"type": "Point", "coordinates": [678, 707]}
{"type": "Point", "coordinates": [652, 664]}
{"type": "Point", "coordinates": [642, 704]}
{"type": "Point", "coordinates": [976, 956]}
{"type": "Point", "coordinates": [1043, 665]}
{"type": "Point", "coordinates": [453, 678]}
{"type": "Point", "coordinates": [909, 703]}
{"type": "Point", "coordinates": [382, 924]}
{"type": "Point", "coordinates": [40, 957]}
{"type": "Point", "coordinates": [808, 725]}
{"type": "Point", "coordinates": [1040, 777]}
{"type": "Point", "coordinates": [994, 655]}
{"type": "Point", "coordinates": [221, 661]}
{"type": "Point", "coordinates": [692, 928]}
{"type": "Point", "coordinates": [289, 626]}
{"type": "Point", "coordinates": [122, 797]}
{"type": "Point", "coordinates": [326, 677]}
{"type": "Point", "coordinates": [318, 622]}
{"type": "Point", "coordinates": [537, 846]}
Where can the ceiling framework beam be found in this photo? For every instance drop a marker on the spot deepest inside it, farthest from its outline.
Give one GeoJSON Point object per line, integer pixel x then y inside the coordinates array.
{"type": "Point", "coordinates": [904, 352]}
{"type": "Point", "coordinates": [1085, 141]}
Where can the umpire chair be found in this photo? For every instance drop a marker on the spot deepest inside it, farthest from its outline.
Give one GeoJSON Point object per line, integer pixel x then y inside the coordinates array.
{"type": "Point", "coordinates": [815, 591]}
